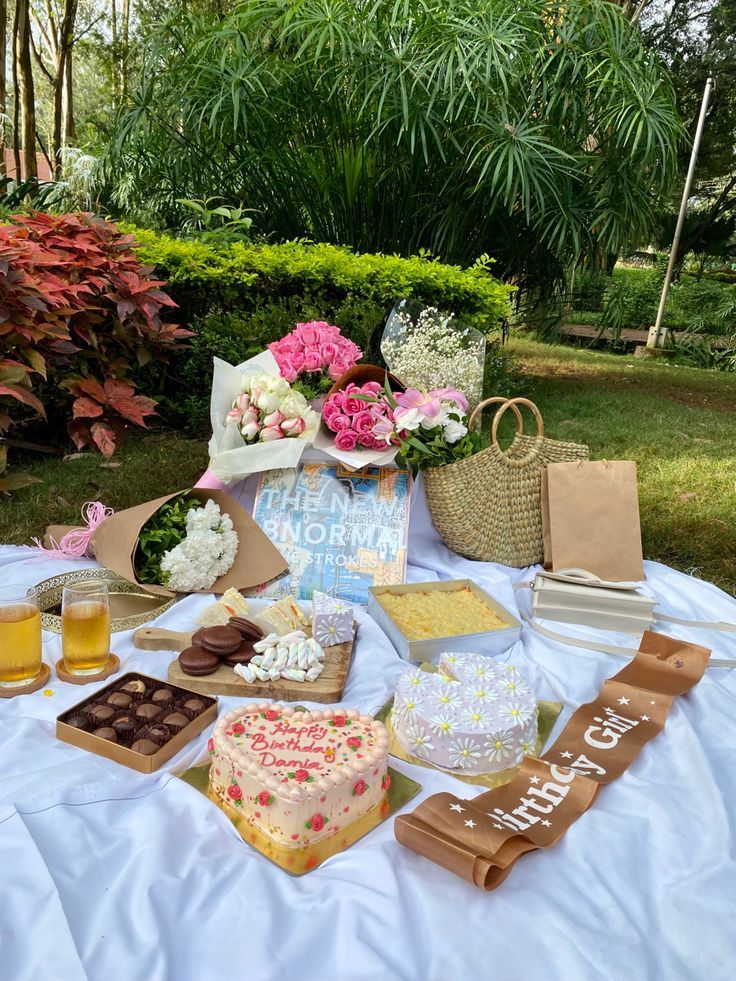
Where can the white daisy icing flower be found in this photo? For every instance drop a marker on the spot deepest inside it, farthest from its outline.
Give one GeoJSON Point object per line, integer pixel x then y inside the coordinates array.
{"type": "Point", "coordinates": [528, 747]}
{"type": "Point", "coordinates": [408, 708]}
{"type": "Point", "coordinates": [515, 713]}
{"type": "Point", "coordinates": [485, 694]}
{"type": "Point", "coordinates": [442, 725]}
{"type": "Point", "coordinates": [446, 698]}
{"type": "Point", "coordinates": [419, 741]}
{"type": "Point", "coordinates": [500, 748]}
{"type": "Point", "coordinates": [416, 678]}
{"type": "Point", "coordinates": [475, 717]}
{"type": "Point", "coordinates": [464, 753]}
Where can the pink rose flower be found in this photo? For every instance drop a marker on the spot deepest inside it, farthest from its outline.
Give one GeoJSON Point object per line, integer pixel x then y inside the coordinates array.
{"type": "Point", "coordinates": [301, 775]}
{"type": "Point", "coordinates": [243, 402]}
{"type": "Point", "coordinates": [264, 798]}
{"type": "Point", "coordinates": [210, 745]}
{"type": "Point", "coordinates": [317, 822]}
{"type": "Point", "coordinates": [238, 728]}
{"type": "Point", "coordinates": [339, 721]}
{"type": "Point", "coordinates": [273, 419]}
{"type": "Point", "coordinates": [372, 388]}
{"type": "Point", "coordinates": [271, 715]}
{"type": "Point", "coordinates": [360, 788]}
{"type": "Point", "coordinates": [363, 422]}
{"type": "Point", "coordinates": [234, 792]}
{"type": "Point", "coordinates": [346, 440]}
{"type": "Point", "coordinates": [234, 415]}
{"type": "Point", "coordinates": [293, 427]}
{"type": "Point", "coordinates": [338, 399]}
{"type": "Point", "coordinates": [339, 423]}
{"type": "Point", "coordinates": [287, 369]}
{"type": "Point", "coordinates": [354, 742]}
{"type": "Point", "coordinates": [308, 334]}
{"type": "Point", "coordinates": [270, 433]}
{"type": "Point", "coordinates": [367, 440]}
{"type": "Point", "coordinates": [313, 361]}
{"type": "Point", "coordinates": [386, 782]}
{"type": "Point", "coordinates": [329, 351]}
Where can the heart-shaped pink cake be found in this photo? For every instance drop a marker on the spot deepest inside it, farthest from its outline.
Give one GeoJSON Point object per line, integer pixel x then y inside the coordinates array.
{"type": "Point", "coordinates": [299, 776]}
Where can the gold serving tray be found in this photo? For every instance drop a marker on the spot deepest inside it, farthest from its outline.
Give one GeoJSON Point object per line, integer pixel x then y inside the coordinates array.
{"type": "Point", "coordinates": [298, 861]}
{"type": "Point", "coordinates": [130, 605]}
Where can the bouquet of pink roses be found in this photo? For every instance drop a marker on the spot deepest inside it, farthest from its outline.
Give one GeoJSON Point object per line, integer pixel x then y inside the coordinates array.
{"type": "Point", "coordinates": [269, 409]}
{"type": "Point", "coordinates": [359, 414]}
{"type": "Point", "coordinates": [314, 355]}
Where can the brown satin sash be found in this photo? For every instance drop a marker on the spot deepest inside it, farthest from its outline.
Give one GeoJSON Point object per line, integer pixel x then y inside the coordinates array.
{"type": "Point", "coordinates": [480, 839]}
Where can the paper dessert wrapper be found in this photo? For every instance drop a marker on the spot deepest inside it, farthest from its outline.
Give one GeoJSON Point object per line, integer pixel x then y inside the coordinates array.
{"type": "Point", "coordinates": [115, 541]}
{"type": "Point", "coordinates": [325, 439]}
{"type": "Point", "coordinates": [232, 463]}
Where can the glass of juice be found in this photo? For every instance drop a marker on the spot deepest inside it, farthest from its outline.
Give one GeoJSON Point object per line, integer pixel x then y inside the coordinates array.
{"type": "Point", "coordinates": [85, 627]}
{"type": "Point", "coordinates": [20, 636]}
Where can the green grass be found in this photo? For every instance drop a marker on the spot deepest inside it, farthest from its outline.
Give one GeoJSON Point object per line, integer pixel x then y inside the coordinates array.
{"type": "Point", "coordinates": [150, 465]}
{"type": "Point", "coordinates": [677, 423]}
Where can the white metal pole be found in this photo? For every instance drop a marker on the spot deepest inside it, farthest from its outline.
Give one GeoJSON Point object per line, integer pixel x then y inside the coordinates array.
{"type": "Point", "coordinates": [656, 333]}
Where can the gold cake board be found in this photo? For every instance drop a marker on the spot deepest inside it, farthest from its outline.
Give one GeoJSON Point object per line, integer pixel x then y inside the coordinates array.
{"type": "Point", "coordinates": [547, 714]}
{"type": "Point", "coordinates": [298, 861]}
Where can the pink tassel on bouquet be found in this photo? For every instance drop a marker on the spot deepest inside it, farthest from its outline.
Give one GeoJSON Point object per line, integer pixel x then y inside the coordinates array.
{"type": "Point", "coordinates": [75, 543]}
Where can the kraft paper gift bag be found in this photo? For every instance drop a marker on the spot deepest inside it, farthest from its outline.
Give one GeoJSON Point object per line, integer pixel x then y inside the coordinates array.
{"type": "Point", "coordinates": [590, 519]}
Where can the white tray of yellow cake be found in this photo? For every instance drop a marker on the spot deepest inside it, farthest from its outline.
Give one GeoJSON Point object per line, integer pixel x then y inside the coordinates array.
{"type": "Point", "coordinates": [425, 619]}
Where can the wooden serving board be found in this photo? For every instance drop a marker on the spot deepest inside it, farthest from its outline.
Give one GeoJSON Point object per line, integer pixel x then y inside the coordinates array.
{"type": "Point", "coordinates": [328, 688]}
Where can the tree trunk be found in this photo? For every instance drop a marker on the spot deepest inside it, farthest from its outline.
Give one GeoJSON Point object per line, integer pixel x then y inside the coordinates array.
{"type": "Point", "coordinates": [27, 94]}
{"type": "Point", "coordinates": [114, 40]}
{"type": "Point", "coordinates": [69, 127]}
{"type": "Point", "coordinates": [62, 79]}
{"type": "Point", "coordinates": [124, 51]}
{"type": "Point", "coordinates": [16, 96]}
{"type": "Point", "coordinates": [3, 88]}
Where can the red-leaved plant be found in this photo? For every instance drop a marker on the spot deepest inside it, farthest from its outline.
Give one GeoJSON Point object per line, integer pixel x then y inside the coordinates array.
{"type": "Point", "coordinates": [77, 307]}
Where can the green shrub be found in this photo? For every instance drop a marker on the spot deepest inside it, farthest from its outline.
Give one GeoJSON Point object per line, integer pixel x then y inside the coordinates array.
{"type": "Point", "coordinates": [245, 277]}
{"type": "Point", "coordinates": [237, 298]}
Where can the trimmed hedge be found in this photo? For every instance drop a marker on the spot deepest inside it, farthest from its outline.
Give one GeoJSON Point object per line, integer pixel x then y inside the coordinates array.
{"type": "Point", "coordinates": [243, 276]}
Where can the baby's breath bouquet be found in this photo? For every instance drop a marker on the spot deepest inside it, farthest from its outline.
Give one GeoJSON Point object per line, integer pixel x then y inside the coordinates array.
{"type": "Point", "coordinates": [429, 349]}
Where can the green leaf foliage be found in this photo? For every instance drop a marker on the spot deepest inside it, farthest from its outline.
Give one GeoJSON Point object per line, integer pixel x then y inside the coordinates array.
{"type": "Point", "coordinates": [163, 531]}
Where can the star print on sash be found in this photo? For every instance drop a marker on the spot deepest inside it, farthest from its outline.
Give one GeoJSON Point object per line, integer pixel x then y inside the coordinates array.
{"type": "Point", "coordinates": [537, 806]}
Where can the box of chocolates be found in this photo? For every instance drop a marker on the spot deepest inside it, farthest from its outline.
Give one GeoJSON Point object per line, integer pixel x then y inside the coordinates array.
{"type": "Point", "coordinates": [138, 721]}
{"type": "Point", "coordinates": [426, 619]}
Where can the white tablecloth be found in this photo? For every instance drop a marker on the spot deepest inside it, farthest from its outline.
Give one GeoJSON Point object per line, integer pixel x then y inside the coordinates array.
{"type": "Point", "coordinates": [109, 875]}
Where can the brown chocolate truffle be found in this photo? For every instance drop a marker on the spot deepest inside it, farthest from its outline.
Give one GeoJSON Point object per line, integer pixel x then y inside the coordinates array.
{"type": "Point", "coordinates": [77, 722]}
{"type": "Point", "coordinates": [125, 727]}
{"type": "Point", "coordinates": [136, 687]}
{"type": "Point", "coordinates": [158, 732]}
{"type": "Point", "coordinates": [120, 699]}
{"type": "Point", "coordinates": [147, 711]}
{"type": "Point", "coordinates": [101, 713]}
{"type": "Point", "coordinates": [145, 746]}
{"type": "Point", "coordinates": [194, 705]}
{"type": "Point", "coordinates": [162, 697]}
{"type": "Point", "coordinates": [106, 732]}
{"type": "Point", "coordinates": [176, 719]}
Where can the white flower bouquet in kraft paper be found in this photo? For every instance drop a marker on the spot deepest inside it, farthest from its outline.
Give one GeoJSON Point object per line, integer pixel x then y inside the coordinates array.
{"type": "Point", "coordinates": [258, 421]}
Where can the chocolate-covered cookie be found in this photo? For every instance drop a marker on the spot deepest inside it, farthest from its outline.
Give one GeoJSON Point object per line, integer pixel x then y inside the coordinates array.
{"type": "Point", "coordinates": [246, 628]}
{"type": "Point", "coordinates": [101, 713]}
{"type": "Point", "coordinates": [147, 711]}
{"type": "Point", "coordinates": [197, 661]}
{"type": "Point", "coordinates": [106, 732]}
{"type": "Point", "coordinates": [220, 640]}
{"type": "Point", "coordinates": [164, 696]}
{"type": "Point", "coordinates": [242, 656]}
{"type": "Point", "coordinates": [120, 699]}
{"type": "Point", "coordinates": [145, 746]}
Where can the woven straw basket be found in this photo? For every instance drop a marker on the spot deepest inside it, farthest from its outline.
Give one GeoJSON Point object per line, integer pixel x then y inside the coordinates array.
{"type": "Point", "coordinates": [488, 506]}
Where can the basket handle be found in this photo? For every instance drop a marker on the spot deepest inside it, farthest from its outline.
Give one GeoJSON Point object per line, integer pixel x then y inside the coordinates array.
{"type": "Point", "coordinates": [534, 451]}
{"type": "Point", "coordinates": [494, 401]}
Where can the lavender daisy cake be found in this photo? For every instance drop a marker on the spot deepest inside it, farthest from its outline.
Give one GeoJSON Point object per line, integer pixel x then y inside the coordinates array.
{"type": "Point", "coordinates": [473, 716]}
